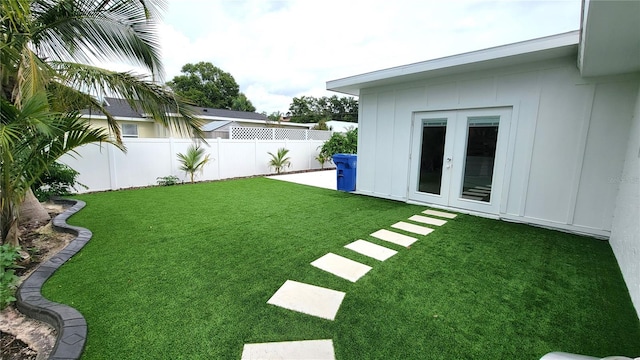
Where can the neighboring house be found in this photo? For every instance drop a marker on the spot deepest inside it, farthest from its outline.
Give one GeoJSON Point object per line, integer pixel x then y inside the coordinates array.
{"type": "Point", "coordinates": [341, 126]}
{"type": "Point", "coordinates": [134, 124]}
{"type": "Point", "coordinates": [545, 132]}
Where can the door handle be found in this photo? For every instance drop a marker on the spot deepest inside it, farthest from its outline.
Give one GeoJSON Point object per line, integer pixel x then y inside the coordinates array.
{"type": "Point", "coordinates": [449, 164]}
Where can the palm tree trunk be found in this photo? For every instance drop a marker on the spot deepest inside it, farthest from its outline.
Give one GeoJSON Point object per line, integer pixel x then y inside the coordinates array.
{"type": "Point", "coordinates": [32, 211]}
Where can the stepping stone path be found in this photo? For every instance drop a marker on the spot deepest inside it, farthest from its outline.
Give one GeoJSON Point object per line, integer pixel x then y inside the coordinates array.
{"type": "Point", "coordinates": [427, 220]}
{"type": "Point", "coordinates": [394, 237]}
{"type": "Point", "coordinates": [439, 214]}
{"type": "Point", "coordinates": [308, 299]}
{"type": "Point", "coordinates": [417, 229]}
{"type": "Point", "coordinates": [325, 303]}
{"type": "Point", "coordinates": [308, 349]}
{"type": "Point", "coordinates": [342, 267]}
{"type": "Point", "coordinates": [371, 250]}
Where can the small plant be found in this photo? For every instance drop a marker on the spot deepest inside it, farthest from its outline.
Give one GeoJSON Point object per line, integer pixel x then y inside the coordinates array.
{"type": "Point", "coordinates": [193, 161]}
{"type": "Point", "coordinates": [323, 158]}
{"type": "Point", "coordinates": [168, 180]}
{"type": "Point", "coordinates": [280, 160]}
{"type": "Point", "coordinates": [58, 180]}
{"type": "Point", "coordinates": [8, 278]}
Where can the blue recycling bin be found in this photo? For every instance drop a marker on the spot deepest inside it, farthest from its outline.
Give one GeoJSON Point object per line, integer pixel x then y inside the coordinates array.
{"type": "Point", "coordinates": [345, 171]}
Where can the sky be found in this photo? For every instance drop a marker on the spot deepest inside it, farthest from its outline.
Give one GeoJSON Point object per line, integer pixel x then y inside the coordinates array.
{"type": "Point", "coordinates": [280, 49]}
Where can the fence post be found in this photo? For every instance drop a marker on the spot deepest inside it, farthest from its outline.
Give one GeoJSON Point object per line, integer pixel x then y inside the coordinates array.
{"type": "Point", "coordinates": [255, 155]}
{"type": "Point", "coordinates": [230, 133]}
{"type": "Point", "coordinates": [273, 133]}
{"type": "Point", "coordinates": [172, 154]}
{"type": "Point", "coordinates": [113, 174]}
{"type": "Point", "coordinates": [219, 157]}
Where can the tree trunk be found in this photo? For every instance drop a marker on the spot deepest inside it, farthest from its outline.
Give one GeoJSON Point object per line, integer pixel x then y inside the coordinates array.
{"type": "Point", "coordinates": [32, 211]}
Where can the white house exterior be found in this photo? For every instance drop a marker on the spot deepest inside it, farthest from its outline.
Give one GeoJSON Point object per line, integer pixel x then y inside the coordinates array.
{"type": "Point", "coordinates": [545, 131]}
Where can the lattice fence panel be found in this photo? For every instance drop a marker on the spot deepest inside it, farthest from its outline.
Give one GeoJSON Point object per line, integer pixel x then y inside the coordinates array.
{"type": "Point", "coordinates": [318, 135]}
{"type": "Point", "coordinates": [250, 133]}
{"type": "Point", "coordinates": [290, 134]}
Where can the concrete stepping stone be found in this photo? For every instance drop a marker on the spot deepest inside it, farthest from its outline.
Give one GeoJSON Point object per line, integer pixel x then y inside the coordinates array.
{"type": "Point", "coordinates": [308, 299]}
{"type": "Point", "coordinates": [416, 229]}
{"type": "Point", "coordinates": [439, 214]}
{"type": "Point", "coordinates": [371, 250]}
{"type": "Point", "coordinates": [341, 267]}
{"type": "Point", "coordinates": [303, 350]}
{"type": "Point", "coordinates": [394, 237]}
{"type": "Point", "coordinates": [427, 220]}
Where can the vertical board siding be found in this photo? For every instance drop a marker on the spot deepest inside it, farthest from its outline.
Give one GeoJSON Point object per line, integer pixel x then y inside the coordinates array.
{"type": "Point", "coordinates": [610, 121]}
{"type": "Point", "coordinates": [384, 143]}
{"type": "Point", "coordinates": [367, 134]}
{"type": "Point", "coordinates": [555, 148]}
{"type": "Point", "coordinates": [625, 230]}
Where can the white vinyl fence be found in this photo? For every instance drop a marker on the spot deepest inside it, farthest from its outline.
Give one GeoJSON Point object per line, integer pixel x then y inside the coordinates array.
{"type": "Point", "coordinates": [104, 167]}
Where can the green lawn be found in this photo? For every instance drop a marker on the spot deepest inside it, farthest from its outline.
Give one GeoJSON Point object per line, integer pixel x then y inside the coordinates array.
{"type": "Point", "coordinates": [185, 272]}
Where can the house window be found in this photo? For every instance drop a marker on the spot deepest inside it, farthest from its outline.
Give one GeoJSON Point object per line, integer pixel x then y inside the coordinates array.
{"type": "Point", "coordinates": [130, 130]}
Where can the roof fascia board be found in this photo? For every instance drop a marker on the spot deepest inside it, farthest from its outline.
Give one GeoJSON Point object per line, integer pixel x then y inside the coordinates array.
{"type": "Point", "coordinates": [117, 118]}
{"type": "Point", "coordinates": [501, 52]}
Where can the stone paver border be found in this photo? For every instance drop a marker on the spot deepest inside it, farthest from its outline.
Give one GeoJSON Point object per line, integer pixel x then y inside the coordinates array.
{"type": "Point", "coordinates": [70, 325]}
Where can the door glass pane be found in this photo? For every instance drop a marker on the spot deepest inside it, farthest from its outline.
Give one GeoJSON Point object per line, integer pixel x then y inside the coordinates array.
{"type": "Point", "coordinates": [432, 154]}
{"type": "Point", "coordinates": [482, 136]}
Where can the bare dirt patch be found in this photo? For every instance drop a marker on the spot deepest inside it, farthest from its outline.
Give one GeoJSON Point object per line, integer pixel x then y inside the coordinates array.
{"type": "Point", "coordinates": [22, 337]}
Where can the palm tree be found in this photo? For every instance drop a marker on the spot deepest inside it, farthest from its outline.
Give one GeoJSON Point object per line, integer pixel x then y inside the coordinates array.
{"type": "Point", "coordinates": [32, 138]}
{"type": "Point", "coordinates": [280, 160]}
{"type": "Point", "coordinates": [48, 49]}
{"type": "Point", "coordinates": [193, 161]}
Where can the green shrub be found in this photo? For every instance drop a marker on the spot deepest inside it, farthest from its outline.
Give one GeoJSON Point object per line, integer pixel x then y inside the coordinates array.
{"type": "Point", "coordinates": [58, 180]}
{"type": "Point", "coordinates": [168, 180]}
{"type": "Point", "coordinates": [8, 277]}
{"type": "Point", "coordinates": [341, 144]}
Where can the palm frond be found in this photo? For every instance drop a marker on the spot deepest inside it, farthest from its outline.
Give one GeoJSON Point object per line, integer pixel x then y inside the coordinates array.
{"type": "Point", "coordinates": [121, 30]}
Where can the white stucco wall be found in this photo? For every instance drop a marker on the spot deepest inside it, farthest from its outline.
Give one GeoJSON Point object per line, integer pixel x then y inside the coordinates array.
{"type": "Point", "coordinates": [567, 139]}
{"type": "Point", "coordinates": [625, 232]}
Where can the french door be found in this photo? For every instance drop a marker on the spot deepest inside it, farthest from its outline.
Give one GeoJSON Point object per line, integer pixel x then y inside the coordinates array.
{"type": "Point", "coordinates": [458, 158]}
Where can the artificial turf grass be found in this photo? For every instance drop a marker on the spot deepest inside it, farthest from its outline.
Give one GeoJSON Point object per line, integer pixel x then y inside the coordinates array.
{"type": "Point", "coordinates": [185, 272]}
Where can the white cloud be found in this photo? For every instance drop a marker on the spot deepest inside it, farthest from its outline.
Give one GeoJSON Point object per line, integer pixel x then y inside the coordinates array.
{"type": "Point", "coordinates": [284, 48]}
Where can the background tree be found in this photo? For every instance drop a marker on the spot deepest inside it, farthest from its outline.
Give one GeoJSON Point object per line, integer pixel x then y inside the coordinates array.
{"type": "Point", "coordinates": [242, 103]}
{"type": "Point", "coordinates": [308, 109]}
{"type": "Point", "coordinates": [207, 85]}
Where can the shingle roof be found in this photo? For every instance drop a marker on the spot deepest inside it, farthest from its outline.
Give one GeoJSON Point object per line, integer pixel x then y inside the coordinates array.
{"type": "Point", "coordinates": [233, 114]}
{"type": "Point", "coordinates": [116, 107]}
{"type": "Point", "coordinates": [120, 108]}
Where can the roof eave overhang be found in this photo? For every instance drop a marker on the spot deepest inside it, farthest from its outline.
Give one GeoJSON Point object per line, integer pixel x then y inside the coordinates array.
{"type": "Point", "coordinates": [610, 42]}
{"type": "Point", "coordinates": [546, 48]}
